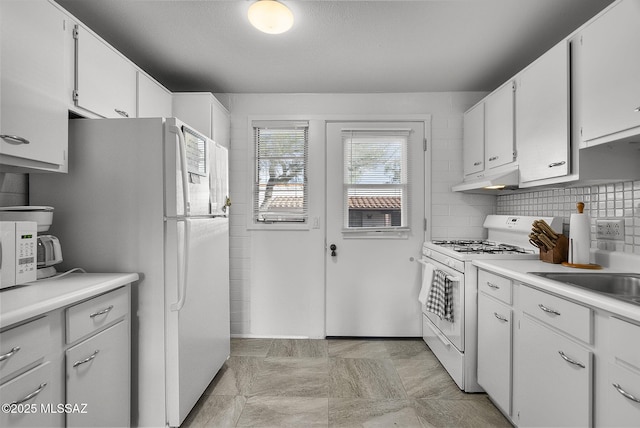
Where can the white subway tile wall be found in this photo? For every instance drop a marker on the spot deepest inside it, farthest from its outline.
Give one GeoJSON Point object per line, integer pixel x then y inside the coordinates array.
{"type": "Point", "coordinates": [608, 201]}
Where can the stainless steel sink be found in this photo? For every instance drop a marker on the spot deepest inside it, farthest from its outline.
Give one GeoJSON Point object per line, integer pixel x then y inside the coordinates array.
{"type": "Point", "coordinates": [623, 286]}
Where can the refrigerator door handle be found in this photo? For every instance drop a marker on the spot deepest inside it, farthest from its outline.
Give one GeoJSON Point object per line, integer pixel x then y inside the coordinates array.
{"type": "Point", "coordinates": [182, 146]}
{"type": "Point", "coordinates": [182, 286]}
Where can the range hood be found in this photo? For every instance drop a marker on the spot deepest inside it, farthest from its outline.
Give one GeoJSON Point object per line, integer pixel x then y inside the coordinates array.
{"type": "Point", "coordinates": [492, 181]}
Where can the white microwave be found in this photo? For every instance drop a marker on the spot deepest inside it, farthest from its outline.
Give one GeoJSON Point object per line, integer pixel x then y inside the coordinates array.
{"type": "Point", "coordinates": [18, 252]}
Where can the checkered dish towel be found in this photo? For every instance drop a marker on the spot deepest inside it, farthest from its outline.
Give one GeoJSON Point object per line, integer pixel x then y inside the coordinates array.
{"type": "Point", "coordinates": [440, 300]}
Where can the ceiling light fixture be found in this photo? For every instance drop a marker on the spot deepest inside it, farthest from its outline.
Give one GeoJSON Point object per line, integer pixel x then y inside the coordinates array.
{"type": "Point", "coordinates": [270, 16]}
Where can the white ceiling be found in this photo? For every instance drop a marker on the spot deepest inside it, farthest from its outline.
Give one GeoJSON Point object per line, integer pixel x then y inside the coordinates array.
{"type": "Point", "coordinates": [344, 46]}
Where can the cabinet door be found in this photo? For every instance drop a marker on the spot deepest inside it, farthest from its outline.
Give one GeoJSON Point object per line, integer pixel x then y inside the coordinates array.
{"type": "Point", "coordinates": [153, 99]}
{"type": "Point", "coordinates": [623, 398]}
{"type": "Point", "coordinates": [499, 127]}
{"type": "Point", "coordinates": [32, 393]}
{"type": "Point", "coordinates": [98, 375]}
{"type": "Point", "coordinates": [494, 350]}
{"type": "Point", "coordinates": [473, 142]}
{"type": "Point", "coordinates": [554, 379]}
{"type": "Point", "coordinates": [105, 80]}
{"type": "Point", "coordinates": [34, 115]}
{"type": "Point", "coordinates": [542, 116]}
{"type": "Point", "coordinates": [609, 65]}
{"type": "Point", "coordinates": [194, 108]}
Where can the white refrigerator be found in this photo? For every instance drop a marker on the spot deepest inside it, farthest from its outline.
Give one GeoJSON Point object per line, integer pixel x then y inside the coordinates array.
{"type": "Point", "coordinates": [150, 196]}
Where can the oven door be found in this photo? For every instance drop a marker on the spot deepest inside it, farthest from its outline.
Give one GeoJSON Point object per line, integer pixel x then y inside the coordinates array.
{"type": "Point", "coordinates": [453, 331]}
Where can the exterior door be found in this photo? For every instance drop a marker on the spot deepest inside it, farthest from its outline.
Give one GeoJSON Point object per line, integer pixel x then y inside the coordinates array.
{"type": "Point", "coordinates": [375, 227]}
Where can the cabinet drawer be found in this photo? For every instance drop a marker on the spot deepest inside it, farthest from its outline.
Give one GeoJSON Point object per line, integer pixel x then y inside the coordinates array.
{"type": "Point", "coordinates": [562, 314]}
{"type": "Point", "coordinates": [23, 346]}
{"type": "Point", "coordinates": [624, 341]}
{"type": "Point", "coordinates": [89, 316]}
{"type": "Point", "coordinates": [623, 408]}
{"type": "Point", "coordinates": [30, 392]}
{"type": "Point", "coordinates": [495, 285]}
{"type": "Point", "coordinates": [98, 373]}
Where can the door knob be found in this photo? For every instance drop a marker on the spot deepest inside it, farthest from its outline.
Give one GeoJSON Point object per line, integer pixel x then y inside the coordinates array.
{"type": "Point", "coordinates": [333, 249]}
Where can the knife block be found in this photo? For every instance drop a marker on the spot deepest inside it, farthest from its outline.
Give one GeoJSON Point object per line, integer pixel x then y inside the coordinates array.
{"type": "Point", "coordinates": [558, 254]}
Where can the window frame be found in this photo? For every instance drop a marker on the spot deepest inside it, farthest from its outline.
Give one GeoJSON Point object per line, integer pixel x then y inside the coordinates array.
{"type": "Point", "coordinates": [403, 186]}
{"type": "Point", "coordinates": [252, 211]}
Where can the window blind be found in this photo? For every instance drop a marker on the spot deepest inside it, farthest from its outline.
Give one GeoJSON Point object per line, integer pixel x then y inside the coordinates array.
{"type": "Point", "coordinates": [375, 178]}
{"type": "Point", "coordinates": [281, 161]}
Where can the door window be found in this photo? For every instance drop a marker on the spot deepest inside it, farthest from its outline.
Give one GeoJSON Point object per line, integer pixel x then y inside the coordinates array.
{"type": "Point", "coordinates": [375, 179]}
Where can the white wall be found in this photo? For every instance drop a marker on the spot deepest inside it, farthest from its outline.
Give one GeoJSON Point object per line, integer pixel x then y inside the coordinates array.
{"type": "Point", "coordinates": [263, 301]}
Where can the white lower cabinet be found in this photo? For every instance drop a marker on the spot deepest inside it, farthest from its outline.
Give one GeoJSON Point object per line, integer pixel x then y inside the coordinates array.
{"type": "Point", "coordinates": [28, 397]}
{"type": "Point", "coordinates": [494, 350]}
{"type": "Point", "coordinates": [98, 379]}
{"type": "Point", "coordinates": [622, 388]}
{"type": "Point", "coordinates": [622, 407]}
{"type": "Point", "coordinates": [554, 379]}
{"type": "Point", "coordinates": [70, 366]}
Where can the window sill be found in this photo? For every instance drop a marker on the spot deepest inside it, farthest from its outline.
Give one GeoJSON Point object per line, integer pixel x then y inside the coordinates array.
{"type": "Point", "coordinates": [373, 233]}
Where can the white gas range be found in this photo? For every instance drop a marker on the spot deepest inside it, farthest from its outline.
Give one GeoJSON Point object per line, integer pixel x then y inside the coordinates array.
{"type": "Point", "coordinates": [455, 343]}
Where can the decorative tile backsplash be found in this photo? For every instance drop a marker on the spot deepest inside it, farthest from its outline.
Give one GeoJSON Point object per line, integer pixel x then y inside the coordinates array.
{"type": "Point", "coordinates": [608, 201]}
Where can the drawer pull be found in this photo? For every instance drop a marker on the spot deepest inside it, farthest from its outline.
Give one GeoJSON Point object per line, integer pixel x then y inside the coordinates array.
{"type": "Point", "coordinates": [15, 138]}
{"type": "Point", "coordinates": [86, 360]}
{"type": "Point", "coordinates": [625, 394]}
{"type": "Point", "coordinates": [500, 317]}
{"type": "Point", "coordinates": [547, 310]}
{"type": "Point", "coordinates": [30, 396]}
{"type": "Point", "coordinates": [102, 312]}
{"type": "Point", "coordinates": [10, 353]}
{"type": "Point", "coordinates": [571, 361]}
{"type": "Point", "coordinates": [554, 164]}
{"type": "Point", "coordinates": [477, 163]}
{"type": "Point", "coordinates": [491, 159]}
{"type": "Point", "coordinates": [121, 112]}
{"type": "Point", "coordinates": [495, 287]}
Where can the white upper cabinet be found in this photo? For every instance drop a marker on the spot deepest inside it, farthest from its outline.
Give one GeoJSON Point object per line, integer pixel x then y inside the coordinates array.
{"type": "Point", "coordinates": [499, 127]}
{"type": "Point", "coordinates": [205, 113]}
{"type": "Point", "coordinates": [609, 70]}
{"type": "Point", "coordinates": [105, 80]}
{"type": "Point", "coordinates": [542, 116]}
{"type": "Point", "coordinates": [33, 109]}
{"type": "Point", "coordinates": [473, 142]}
{"type": "Point", "coordinates": [153, 99]}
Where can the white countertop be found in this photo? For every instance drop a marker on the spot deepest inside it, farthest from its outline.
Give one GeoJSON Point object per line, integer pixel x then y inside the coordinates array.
{"type": "Point", "coordinates": [517, 270]}
{"type": "Point", "coordinates": [35, 298]}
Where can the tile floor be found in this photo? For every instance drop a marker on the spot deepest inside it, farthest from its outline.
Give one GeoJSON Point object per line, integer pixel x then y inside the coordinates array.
{"type": "Point", "coordinates": [337, 383]}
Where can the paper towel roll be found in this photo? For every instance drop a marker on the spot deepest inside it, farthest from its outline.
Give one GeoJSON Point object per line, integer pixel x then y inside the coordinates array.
{"type": "Point", "coordinates": [579, 238]}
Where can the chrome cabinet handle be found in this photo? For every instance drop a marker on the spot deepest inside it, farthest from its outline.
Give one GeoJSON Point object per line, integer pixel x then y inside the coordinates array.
{"type": "Point", "coordinates": [477, 163]}
{"type": "Point", "coordinates": [500, 317]}
{"type": "Point", "coordinates": [571, 361]}
{"type": "Point", "coordinates": [638, 109]}
{"type": "Point", "coordinates": [491, 159]}
{"type": "Point", "coordinates": [121, 112]}
{"type": "Point", "coordinates": [86, 360]}
{"type": "Point", "coordinates": [550, 311]}
{"type": "Point", "coordinates": [495, 287]}
{"type": "Point", "coordinates": [30, 396]}
{"type": "Point", "coordinates": [102, 312]}
{"type": "Point", "coordinates": [624, 393]}
{"type": "Point", "coordinates": [16, 139]}
{"type": "Point", "coordinates": [10, 353]}
{"type": "Point", "coordinates": [551, 165]}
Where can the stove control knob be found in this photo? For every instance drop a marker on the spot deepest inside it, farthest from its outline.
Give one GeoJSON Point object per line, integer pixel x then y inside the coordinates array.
{"type": "Point", "coordinates": [450, 262]}
{"type": "Point", "coordinates": [427, 253]}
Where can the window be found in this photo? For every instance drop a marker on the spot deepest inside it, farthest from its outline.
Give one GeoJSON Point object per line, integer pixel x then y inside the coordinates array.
{"type": "Point", "coordinates": [375, 179]}
{"type": "Point", "coordinates": [280, 189]}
